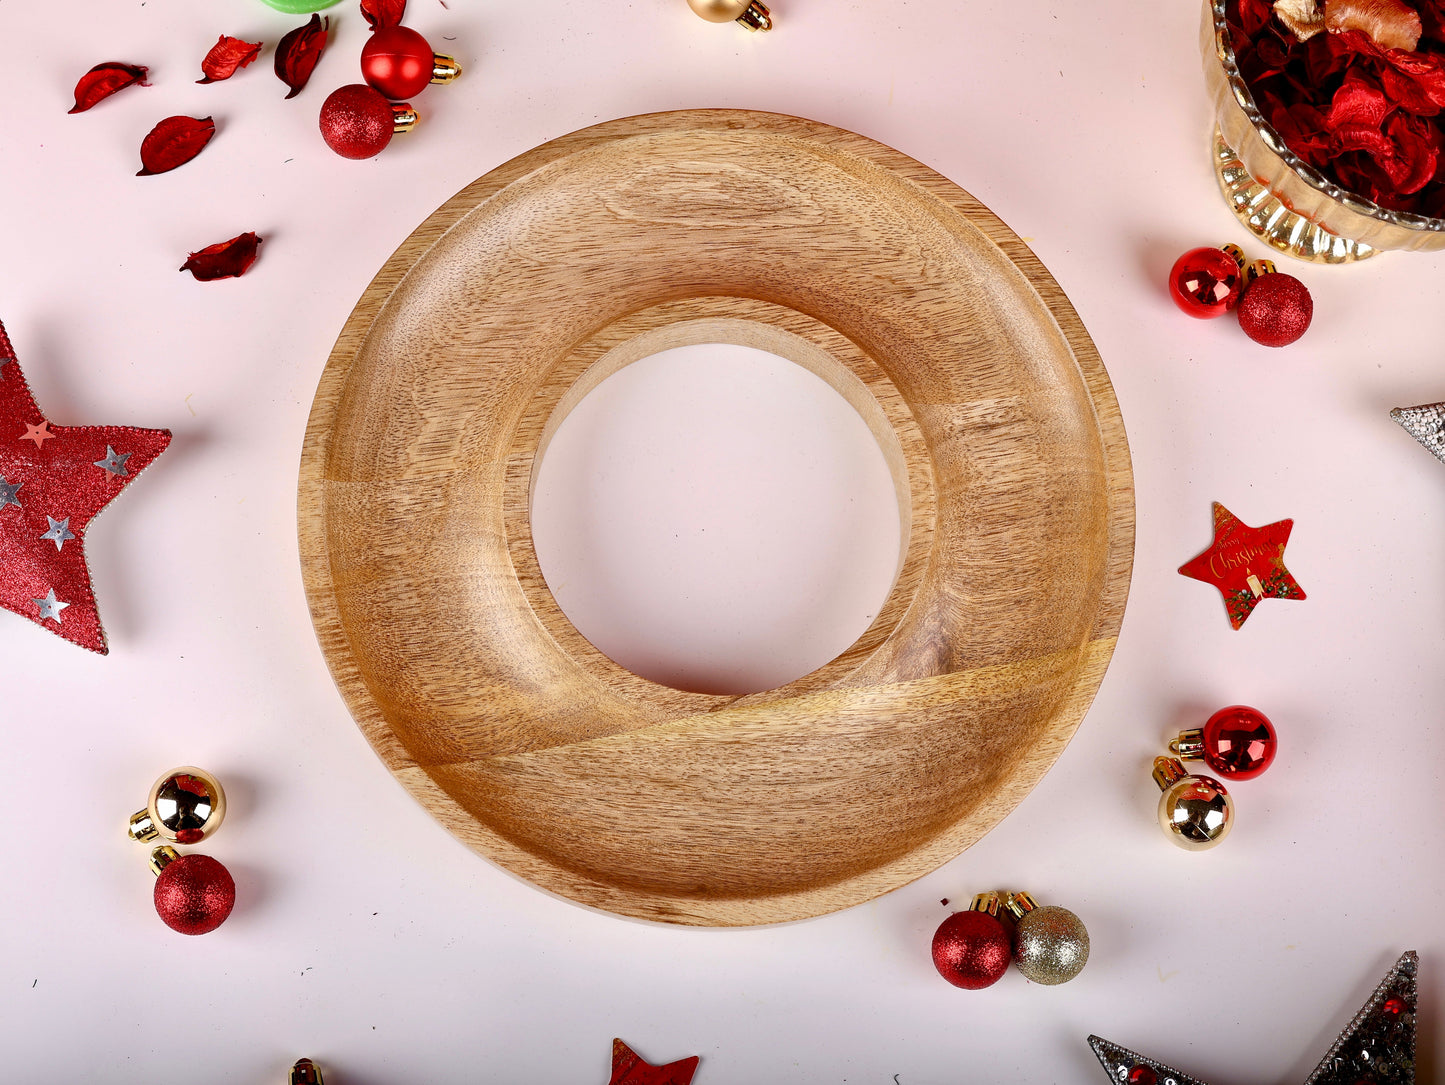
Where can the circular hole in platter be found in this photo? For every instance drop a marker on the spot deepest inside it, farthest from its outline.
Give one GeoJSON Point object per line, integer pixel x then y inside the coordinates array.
{"type": "Point", "coordinates": [717, 519]}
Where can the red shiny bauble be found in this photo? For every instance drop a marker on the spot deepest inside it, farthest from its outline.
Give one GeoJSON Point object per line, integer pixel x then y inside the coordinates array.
{"type": "Point", "coordinates": [1206, 282]}
{"type": "Point", "coordinates": [356, 121]}
{"type": "Point", "coordinates": [1239, 742]}
{"type": "Point", "coordinates": [971, 950]}
{"type": "Point", "coordinates": [397, 61]}
{"type": "Point", "coordinates": [194, 894]}
{"type": "Point", "coordinates": [1276, 309]}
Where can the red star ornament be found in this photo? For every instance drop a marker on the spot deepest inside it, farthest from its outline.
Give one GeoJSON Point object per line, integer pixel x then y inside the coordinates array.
{"type": "Point", "coordinates": [629, 1069]}
{"type": "Point", "coordinates": [53, 480]}
{"type": "Point", "coordinates": [1245, 563]}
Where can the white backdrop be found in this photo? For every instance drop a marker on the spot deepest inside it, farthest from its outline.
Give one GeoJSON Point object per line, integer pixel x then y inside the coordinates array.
{"type": "Point", "coordinates": [370, 939]}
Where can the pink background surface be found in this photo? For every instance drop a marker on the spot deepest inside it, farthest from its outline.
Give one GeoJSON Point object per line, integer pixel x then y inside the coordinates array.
{"type": "Point", "coordinates": [366, 936]}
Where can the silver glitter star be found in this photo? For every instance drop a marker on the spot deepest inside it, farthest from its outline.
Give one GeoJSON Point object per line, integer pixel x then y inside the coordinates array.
{"type": "Point", "coordinates": [114, 461]}
{"type": "Point", "coordinates": [1377, 1046]}
{"type": "Point", "coordinates": [59, 532]}
{"type": "Point", "coordinates": [1426, 424]}
{"type": "Point", "coordinates": [8, 490]}
{"type": "Point", "coordinates": [50, 607]}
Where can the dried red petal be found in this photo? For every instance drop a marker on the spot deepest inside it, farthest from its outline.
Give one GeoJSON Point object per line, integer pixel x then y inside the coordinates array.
{"type": "Point", "coordinates": [174, 142]}
{"type": "Point", "coordinates": [383, 13]}
{"type": "Point", "coordinates": [1415, 81]}
{"type": "Point", "coordinates": [227, 57]}
{"type": "Point", "coordinates": [1358, 103]}
{"type": "Point", "coordinates": [104, 80]}
{"type": "Point", "coordinates": [298, 52]}
{"type": "Point", "coordinates": [1391, 24]}
{"type": "Point", "coordinates": [225, 259]}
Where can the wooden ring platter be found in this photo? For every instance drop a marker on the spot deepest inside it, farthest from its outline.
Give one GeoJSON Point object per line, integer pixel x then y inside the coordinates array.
{"type": "Point", "coordinates": [556, 269]}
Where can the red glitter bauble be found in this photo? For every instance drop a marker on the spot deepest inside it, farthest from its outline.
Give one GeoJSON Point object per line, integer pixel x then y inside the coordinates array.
{"type": "Point", "coordinates": [194, 894]}
{"type": "Point", "coordinates": [1239, 742]}
{"type": "Point", "coordinates": [356, 121]}
{"type": "Point", "coordinates": [1276, 309]}
{"type": "Point", "coordinates": [397, 61]}
{"type": "Point", "coordinates": [971, 950]}
{"type": "Point", "coordinates": [1206, 282]}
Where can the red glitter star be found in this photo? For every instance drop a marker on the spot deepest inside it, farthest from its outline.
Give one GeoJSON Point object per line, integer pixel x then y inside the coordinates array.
{"type": "Point", "coordinates": [629, 1069]}
{"type": "Point", "coordinates": [48, 496]}
{"type": "Point", "coordinates": [1245, 563]}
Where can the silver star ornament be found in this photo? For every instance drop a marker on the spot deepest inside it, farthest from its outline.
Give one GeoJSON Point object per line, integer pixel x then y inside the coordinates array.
{"type": "Point", "coordinates": [1376, 1048]}
{"type": "Point", "coordinates": [1426, 424]}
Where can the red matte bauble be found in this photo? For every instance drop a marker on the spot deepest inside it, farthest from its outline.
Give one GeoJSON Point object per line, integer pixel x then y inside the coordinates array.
{"type": "Point", "coordinates": [356, 121]}
{"type": "Point", "coordinates": [1206, 282]}
{"type": "Point", "coordinates": [971, 950]}
{"type": "Point", "coordinates": [1239, 742]}
{"type": "Point", "coordinates": [194, 894]}
{"type": "Point", "coordinates": [397, 61]}
{"type": "Point", "coordinates": [1276, 309]}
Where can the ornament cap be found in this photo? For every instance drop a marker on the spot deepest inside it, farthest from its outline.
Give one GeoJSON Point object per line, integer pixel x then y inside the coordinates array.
{"type": "Point", "coordinates": [1238, 254]}
{"type": "Point", "coordinates": [444, 68]}
{"type": "Point", "coordinates": [985, 902]}
{"type": "Point", "coordinates": [1258, 270]}
{"type": "Point", "coordinates": [162, 857]}
{"type": "Point", "coordinates": [403, 117]}
{"type": "Point", "coordinates": [1020, 904]}
{"type": "Point", "coordinates": [1168, 771]}
{"type": "Point", "coordinates": [1189, 746]}
{"type": "Point", "coordinates": [305, 1072]}
{"type": "Point", "coordinates": [141, 827]}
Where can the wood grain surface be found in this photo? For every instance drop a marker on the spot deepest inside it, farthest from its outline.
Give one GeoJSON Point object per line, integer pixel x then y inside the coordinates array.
{"type": "Point", "coordinates": [560, 267]}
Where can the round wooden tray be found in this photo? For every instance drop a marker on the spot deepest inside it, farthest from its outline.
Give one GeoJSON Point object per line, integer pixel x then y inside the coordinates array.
{"type": "Point", "coordinates": [537, 281]}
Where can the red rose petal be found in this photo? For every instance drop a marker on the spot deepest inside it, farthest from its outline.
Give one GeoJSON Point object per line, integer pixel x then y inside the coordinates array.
{"type": "Point", "coordinates": [225, 259]}
{"type": "Point", "coordinates": [383, 13]}
{"type": "Point", "coordinates": [104, 80]}
{"type": "Point", "coordinates": [174, 142]}
{"type": "Point", "coordinates": [227, 57]}
{"type": "Point", "coordinates": [1358, 103]}
{"type": "Point", "coordinates": [298, 52]}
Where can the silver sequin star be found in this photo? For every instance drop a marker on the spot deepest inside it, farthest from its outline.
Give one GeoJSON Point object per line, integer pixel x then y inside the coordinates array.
{"type": "Point", "coordinates": [8, 490]}
{"type": "Point", "coordinates": [1426, 424]}
{"type": "Point", "coordinates": [59, 532]}
{"type": "Point", "coordinates": [50, 607]}
{"type": "Point", "coordinates": [114, 461]}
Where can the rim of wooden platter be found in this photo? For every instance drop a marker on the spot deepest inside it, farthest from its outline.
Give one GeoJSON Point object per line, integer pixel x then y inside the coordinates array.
{"type": "Point", "coordinates": [931, 317]}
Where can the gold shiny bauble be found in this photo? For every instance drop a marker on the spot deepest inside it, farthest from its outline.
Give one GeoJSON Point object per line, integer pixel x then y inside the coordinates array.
{"type": "Point", "coordinates": [186, 806]}
{"type": "Point", "coordinates": [751, 13]}
{"type": "Point", "coordinates": [1052, 945]}
{"type": "Point", "coordinates": [1195, 812]}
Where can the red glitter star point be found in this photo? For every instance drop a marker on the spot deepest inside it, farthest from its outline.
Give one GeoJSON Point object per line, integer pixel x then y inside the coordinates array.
{"type": "Point", "coordinates": [629, 1069]}
{"type": "Point", "coordinates": [48, 496]}
{"type": "Point", "coordinates": [1245, 563]}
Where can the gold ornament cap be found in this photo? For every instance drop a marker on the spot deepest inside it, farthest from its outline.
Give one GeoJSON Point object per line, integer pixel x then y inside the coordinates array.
{"type": "Point", "coordinates": [985, 902]}
{"type": "Point", "coordinates": [1238, 254]}
{"type": "Point", "coordinates": [1189, 746]}
{"type": "Point", "coordinates": [1258, 270]}
{"type": "Point", "coordinates": [752, 14]}
{"type": "Point", "coordinates": [186, 805]}
{"type": "Point", "coordinates": [1019, 904]}
{"type": "Point", "coordinates": [305, 1072]}
{"type": "Point", "coordinates": [1195, 812]}
{"type": "Point", "coordinates": [444, 68]}
{"type": "Point", "coordinates": [163, 857]}
{"type": "Point", "coordinates": [403, 117]}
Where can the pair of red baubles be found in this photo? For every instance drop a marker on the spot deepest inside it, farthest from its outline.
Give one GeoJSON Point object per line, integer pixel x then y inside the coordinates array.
{"type": "Point", "coordinates": [357, 120]}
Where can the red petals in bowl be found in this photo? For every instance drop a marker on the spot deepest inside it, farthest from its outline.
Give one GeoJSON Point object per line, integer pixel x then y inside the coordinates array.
{"type": "Point", "coordinates": [104, 80]}
{"type": "Point", "coordinates": [227, 57]}
{"type": "Point", "coordinates": [225, 259]}
{"type": "Point", "coordinates": [1354, 102]}
{"type": "Point", "coordinates": [298, 52]}
{"type": "Point", "coordinates": [174, 142]}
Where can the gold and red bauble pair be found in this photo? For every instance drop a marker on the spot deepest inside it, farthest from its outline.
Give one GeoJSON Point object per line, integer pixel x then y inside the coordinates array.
{"type": "Point", "coordinates": [193, 893]}
{"type": "Point", "coordinates": [359, 119]}
{"type": "Point", "coordinates": [1196, 812]}
{"type": "Point", "coordinates": [972, 949]}
{"type": "Point", "coordinates": [1274, 307]}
